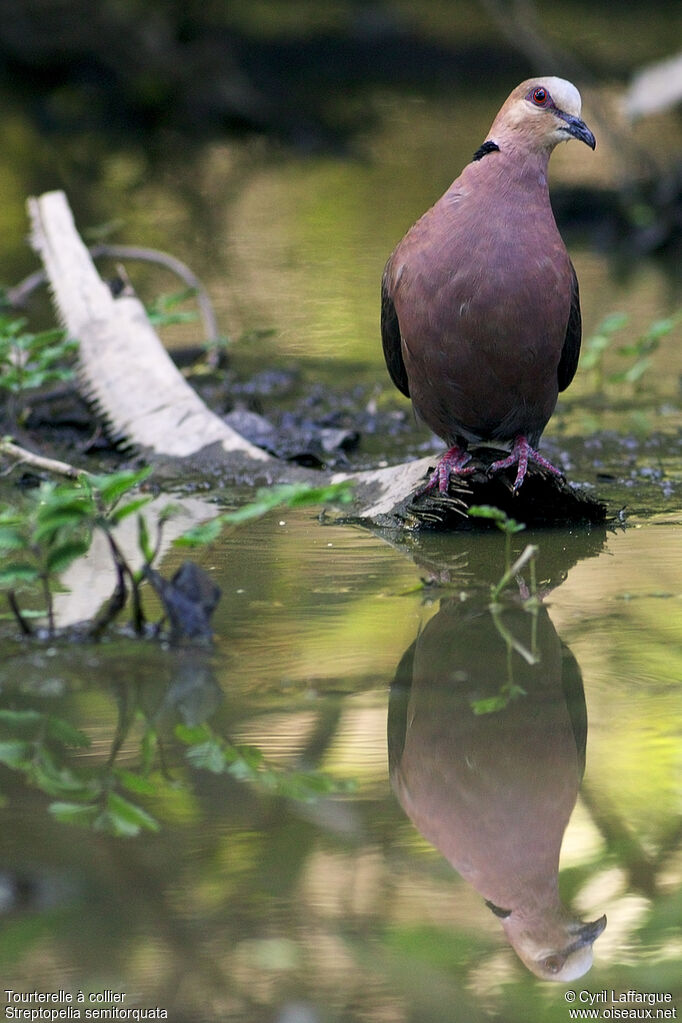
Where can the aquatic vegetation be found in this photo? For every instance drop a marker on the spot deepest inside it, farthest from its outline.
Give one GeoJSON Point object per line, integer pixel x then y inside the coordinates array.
{"type": "Point", "coordinates": [31, 361]}
{"type": "Point", "coordinates": [511, 570]}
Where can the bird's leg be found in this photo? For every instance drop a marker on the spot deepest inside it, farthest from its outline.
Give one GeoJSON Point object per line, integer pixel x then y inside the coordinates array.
{"type": "Point", "coordinates": [521, 453]}
{"type": "Point", "coordinates": [453, 461]}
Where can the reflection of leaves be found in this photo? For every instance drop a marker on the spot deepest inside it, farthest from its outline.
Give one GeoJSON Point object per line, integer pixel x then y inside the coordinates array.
{"type": "Point", "coordinates": [490, 705]}
{"type": "Point", "coordinates": [74, 813]}
{"type": "Point", "coordinates": [248, 763]}
{"type": "Point", "coordinates": [39, 746]}
{"type": "Point", "coordinates": [123, 818]}
{"type": "Point", "coordinates": [137, 783]}
{"type": "Point", "coordinates": [207, 755]}
{"type": "Point", "coordinates": [119, 817]}
{"type": "Point", "coordinates": [15, 753]}
{"type": "Point", "coordinates": [493, 704]}
{"type": "Point", "coordinates": [65, 732]}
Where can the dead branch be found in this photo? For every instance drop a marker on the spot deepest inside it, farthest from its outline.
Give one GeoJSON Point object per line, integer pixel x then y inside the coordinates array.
{"type": "Point", "coordinates": [19, 294]}
{"type": "Point", "coordinates": [26, 457]}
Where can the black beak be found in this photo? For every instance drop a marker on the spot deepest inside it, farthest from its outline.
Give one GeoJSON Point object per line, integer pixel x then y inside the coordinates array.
{"type": "Point", "coordinates": [577, 129]}
{"type": "Point", "coordinates": [590, 932]}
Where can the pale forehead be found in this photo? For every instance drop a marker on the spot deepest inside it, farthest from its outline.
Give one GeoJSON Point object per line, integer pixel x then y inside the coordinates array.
{"type": "Point", "coordinates": [564, 94]}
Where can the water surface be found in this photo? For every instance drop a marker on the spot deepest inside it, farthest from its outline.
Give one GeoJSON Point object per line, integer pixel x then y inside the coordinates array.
{"type": "Point", "coordinates": [249, 906]}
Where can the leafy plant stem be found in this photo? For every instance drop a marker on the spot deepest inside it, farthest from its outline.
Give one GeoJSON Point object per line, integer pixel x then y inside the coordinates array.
{"type": "Point", "coordinates": [526, 555]}
{"type": "Point", "coordinates": [16, 611]}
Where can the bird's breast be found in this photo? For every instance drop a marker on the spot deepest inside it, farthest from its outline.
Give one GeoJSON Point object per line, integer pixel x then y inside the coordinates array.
{"type": "Point", "coordinates": [483, 300]}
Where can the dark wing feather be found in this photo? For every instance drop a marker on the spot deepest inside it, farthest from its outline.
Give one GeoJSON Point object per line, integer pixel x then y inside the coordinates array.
{"type": "Point", "coordinates": [568, 363]}
{"type": "Point", "coordinates": [390, 338]}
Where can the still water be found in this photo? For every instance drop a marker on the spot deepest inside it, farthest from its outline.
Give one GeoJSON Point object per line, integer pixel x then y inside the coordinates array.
{"type": "Point", "coordinates": [529, 756]}
{"type": "Point", "coordinates": [463, 735]}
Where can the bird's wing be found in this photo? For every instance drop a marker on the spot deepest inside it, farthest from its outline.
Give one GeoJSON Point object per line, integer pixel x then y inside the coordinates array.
{"type": "Point", "coordinates": [568, 363]}
{"type": "Point", "coordinates": [574, 694]}
{"type": "Point", "coordinates": [390, 337]}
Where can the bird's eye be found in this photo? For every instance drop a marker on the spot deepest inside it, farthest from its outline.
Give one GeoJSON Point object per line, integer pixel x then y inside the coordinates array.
{"type": "Point", "coordinates": [554, 963]}
{"type": "Point", "coordinates": [540, 97]}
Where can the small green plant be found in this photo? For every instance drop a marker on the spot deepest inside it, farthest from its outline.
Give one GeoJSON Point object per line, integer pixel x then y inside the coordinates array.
{"type": "Point", "coordinates": [642, 349]}
{"type": "Point", "coordinates": [527, 557]}
{"type": "Point", "coordinates": [639, 351]}
{"type": "Point", "coordinates": [56, 524]}
{"type": "Point", "coordinates": [31, 361]}
{"type": "Point", "coordinates": [596, 346]}
{"type": "Point", "coordinates": [164, 312]}
{"type": "Point", "coordinates": [289, 495]}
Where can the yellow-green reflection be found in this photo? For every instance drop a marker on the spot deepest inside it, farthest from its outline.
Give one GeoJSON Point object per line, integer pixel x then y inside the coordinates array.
{"type": "Point", "coordinates": [244, 901]}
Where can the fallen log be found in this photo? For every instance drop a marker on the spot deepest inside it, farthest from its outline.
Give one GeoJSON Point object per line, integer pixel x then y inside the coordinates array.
{"type": "Point", "coordinates": [128, 376]}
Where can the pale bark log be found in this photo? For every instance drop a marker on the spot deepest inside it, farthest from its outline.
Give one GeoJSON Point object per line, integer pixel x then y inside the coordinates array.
{"type": "Point", "coordinates": [126, 373]}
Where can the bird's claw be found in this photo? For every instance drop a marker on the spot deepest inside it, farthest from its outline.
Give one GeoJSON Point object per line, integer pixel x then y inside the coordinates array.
{"type": "Point", "coordinates": [521, 453]}
{"type": "Point", "coordinates": [453, 461]}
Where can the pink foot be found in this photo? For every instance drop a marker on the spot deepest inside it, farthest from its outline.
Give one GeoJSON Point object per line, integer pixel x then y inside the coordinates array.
{"type": "Point", "coordinates": [520, 455]}
{"type": "Point", "coordinates": [453, 461]}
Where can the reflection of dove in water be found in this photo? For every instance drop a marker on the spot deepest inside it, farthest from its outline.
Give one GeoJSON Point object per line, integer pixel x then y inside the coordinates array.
{"type": "Point", "coordinates": [486, 754]}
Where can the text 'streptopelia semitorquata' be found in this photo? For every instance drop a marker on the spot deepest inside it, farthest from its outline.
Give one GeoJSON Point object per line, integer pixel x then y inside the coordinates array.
{"type": "Point", "coordinates": [480, 313]}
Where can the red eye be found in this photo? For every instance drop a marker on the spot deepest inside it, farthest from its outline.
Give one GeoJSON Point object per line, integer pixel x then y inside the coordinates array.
{"type": "Point", "coordinates": [540, 97]}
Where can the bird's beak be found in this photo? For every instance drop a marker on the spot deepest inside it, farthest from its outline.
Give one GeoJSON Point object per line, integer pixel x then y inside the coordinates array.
{"type": "Point", "coordinates": [577, 129]}
{"type": "Point", "coordinates": [587, 933]}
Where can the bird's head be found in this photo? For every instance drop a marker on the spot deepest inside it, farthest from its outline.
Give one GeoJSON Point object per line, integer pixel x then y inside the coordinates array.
{"type": "Point", "coordinates": [554, 947]}
{"type": "Point", "coordinates": [540, 113]}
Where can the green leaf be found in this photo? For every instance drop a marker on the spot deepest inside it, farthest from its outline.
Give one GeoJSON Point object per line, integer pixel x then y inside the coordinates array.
{"type": "Point", "coordinates": [148, 748]}
{"type": "Point", "coordinates": [15, 753]}
{"type": "Point", "coordinates": [612, 323]}
{"type": "Point", "coordinates": [334, 492]}
{"type": "Point", "coordinates": [660, 328]}
{"type": "Point", "coordinates": [71, 501]}
{"type": "Point", "coordinates": [18, 572]}
{"type": "Point", "coordinates": [65, 508]}
{"type": "Point", "coordinates": [127, 818]}
{"type": "Point", "coordinates": [136, 783]}
{"type": "Point", "coordinates": [265, 502]}
{"type": "Point", "coordinates": [12, 539]}
{"type": "Point", "coordinates": [113, 486]}
{"type": "Point", "coordinates": [65, 733]}
{"type": "Point", "coordinates": [490, 705]}
{"type": "Point", "coordinates": [160, 312]}
{"type": "Point", "coordinates": [58, 781]}
{"type": "Point", "coordinates": [129, 509]}
{"type": "Point", "coordinates": [21, 720]}
{"type": "Point", "coordinates": [503, 522]}
{"type": "Point", "coordinates": [487, 511]}
{"type": "Point", "coordinates": [74, 813]}
{"type": "Point", "coordinates": [294, 495]}
{"type": "Point", "coordinates": [202, 534]}
{"type": "Point", "coordinates": [143, 540]}
{"type": "Point", "coordinates": [169, 511]}
{"type": "Point", "coordinates": [252, 756]}
{"type": "Point", "coordinates": [59, 558]}
{"type": "Point", "coordinates": [46, 532]}
{"type": "Point", "coordinates": [240, 769]}
{"type": "Point", "coordinates": [207, 755]}
{"type": "Point", "coordinates": [193, 734]}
